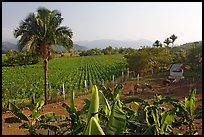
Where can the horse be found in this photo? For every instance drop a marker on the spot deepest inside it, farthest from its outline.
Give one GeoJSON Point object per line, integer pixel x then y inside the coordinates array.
{"type": "Point", "coordinates": [166, 82]}
{"type": "Point", "coordinates": [142, 86]}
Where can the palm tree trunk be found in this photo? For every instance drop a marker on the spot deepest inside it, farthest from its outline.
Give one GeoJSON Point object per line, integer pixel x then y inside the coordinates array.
{"type": "Point", "coordinates": [46, 80]}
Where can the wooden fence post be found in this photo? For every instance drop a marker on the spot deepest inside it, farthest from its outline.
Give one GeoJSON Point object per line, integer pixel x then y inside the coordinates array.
{"type": "Point", "coordinates": [128, 73]}
{"type": "Point", "coordinates": [63, 93]}
{"type": "Point", "coordinates": [85, 83]}
{"type": "Point", "coordinates": [138, 77]}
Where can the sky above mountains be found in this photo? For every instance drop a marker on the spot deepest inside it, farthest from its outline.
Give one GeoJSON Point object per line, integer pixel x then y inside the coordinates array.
{"type": "Point", "coordinates": [115, 20]}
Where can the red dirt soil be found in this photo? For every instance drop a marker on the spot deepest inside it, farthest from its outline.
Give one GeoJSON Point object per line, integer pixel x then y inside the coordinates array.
{"type": "Point", "coordinates": [178, 90]}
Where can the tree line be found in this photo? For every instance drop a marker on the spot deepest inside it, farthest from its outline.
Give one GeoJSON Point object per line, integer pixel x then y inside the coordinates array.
{"type": "Point", "coordinates": [150, 59]}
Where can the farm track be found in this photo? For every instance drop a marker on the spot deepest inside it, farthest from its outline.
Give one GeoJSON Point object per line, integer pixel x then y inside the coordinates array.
{"type": "Point", "coordinates": [178, 90]}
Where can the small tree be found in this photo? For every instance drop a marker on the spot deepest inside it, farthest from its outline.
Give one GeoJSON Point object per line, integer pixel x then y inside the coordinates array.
{"type": "Point", "coordinates": [173, 38]}
{"type": "Point", "coordinates": [167, 41]}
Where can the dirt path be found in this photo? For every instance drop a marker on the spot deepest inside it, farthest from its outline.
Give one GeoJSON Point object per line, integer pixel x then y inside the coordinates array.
{"type": "Point", "coordinates": [179, 90]}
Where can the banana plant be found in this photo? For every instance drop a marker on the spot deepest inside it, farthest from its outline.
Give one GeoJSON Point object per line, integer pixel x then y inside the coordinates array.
{"type": "Point", "coordinates": [116, 122]}
{"type": "Point", "coordinates": [77, 125]}
{"type": "Point", "coordinates": [149, 118]}
{"type": "Point", "coordinates": [116, 117]}
{"type": "Point", "coordinates": [186, 114]}
{"type": "Point", "coordinates": [92, 120]}
{"type": "Point", "coordinates": [35, 120]}
{"type": "Point", "coordinates": [160, 118]}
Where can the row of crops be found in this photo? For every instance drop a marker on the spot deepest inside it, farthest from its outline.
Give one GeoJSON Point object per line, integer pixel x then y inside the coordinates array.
{"type": "Point", "coordinates": [22, 81]}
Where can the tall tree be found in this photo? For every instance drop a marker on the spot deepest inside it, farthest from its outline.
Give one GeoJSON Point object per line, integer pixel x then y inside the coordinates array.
{"type": "Point", "coordinates": [167, 41]}
{"type": "Point", "coordinates": [38, 32]}
{"type": "Point", "coordinates": [157, 44]}
{"type": "Point", "coordinates": [173, 38]}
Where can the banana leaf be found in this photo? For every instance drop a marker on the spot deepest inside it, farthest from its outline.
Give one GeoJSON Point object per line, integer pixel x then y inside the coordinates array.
{"type": "Point", "coordinates": [72, 108]}
{"type": "Point", "coordinates": [198, 112]}
{"type": "Point", "coordinates": [117, 122]}
{"type": "Point", "coordinates": [104, 102]}
{"type": "Point", "coordinates": [190, 102]}
{"type": "Point", "coordinates": [94, 106]}
{"type": "Point", "coordinates": [51, 117]}
{"type": "Point", "coordinates": [49, 127]}
{"type": "Point", "coordinates": [12, 120]}
{"type": "Point", "coordinates": [39, 105]}
{"type": "Point", "coordinates": [149, 130]}
{"type": "Point", "coordinates": [167, 119]}
{"type": "Point", "coordinates": [93, 128]}
{"type": "Point", "coordinates": [24, 125]}
{"type": "Point", "coordinates": [17, 112]}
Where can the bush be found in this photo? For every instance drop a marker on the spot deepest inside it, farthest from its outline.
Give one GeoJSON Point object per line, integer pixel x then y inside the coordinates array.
{"type": "Point", "coordinates": [20, 58]}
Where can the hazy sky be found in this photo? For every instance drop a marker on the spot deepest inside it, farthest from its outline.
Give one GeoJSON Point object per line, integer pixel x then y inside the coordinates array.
{"type": "Point", "coordinates": [115, 20]}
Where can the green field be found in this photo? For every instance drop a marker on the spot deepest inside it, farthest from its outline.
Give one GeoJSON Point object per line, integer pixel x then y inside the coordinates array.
{"type": "Point", "coordinates": [21, 81]}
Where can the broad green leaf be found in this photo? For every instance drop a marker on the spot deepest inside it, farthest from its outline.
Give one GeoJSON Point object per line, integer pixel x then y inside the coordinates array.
{"type": "Point", "coordinates": [72, 108]}
{"type": "Point", "coordinates": [50, 127]}
{"type": "Point", "coordinates": [78, 129]}
{"type": "Point", "coordinates": [129, 100]}
{"type": "Point", "coordinates": [117, 122]}
{"type": "Point", "coordinates": [35, 113]}
{"type": "Point", "coordinates": [104, 103]}
{"type": "Point", "coordinates": [17, 111]}
{"type": "Point", "coordinates": [147, 115]}
{"type": "Point", "coordinates": [39, 105]}
{"type": "Point", "coordinates": [86, 106]}
{"type": "Point", "coordinates": [149, 131]}
{"type": "Point", "coordinates": [24, 125]}
{"type": "Point", "coordinates": [156, 120]}
{"type": "Point", "coordinates": [12, 120]}
{"type": "Point", "coordinates": [94, 106]}
{"type": "Point", "coordinates": [192, 100]}
{"type": "Point", "coordinates": [51, 117]}
{"type": "Point", "coordinates": [167, 119]}
{"type": "Point", "coordinates": [64, 105]}
{"type": "Point", "coordinates": [198, 112]}
{"type": "Point", "coordinates": [118, 90]}
{"type": "Point", "coordinates": [170, 100]}
{"type": "Point", "coordinates": [93, 128]}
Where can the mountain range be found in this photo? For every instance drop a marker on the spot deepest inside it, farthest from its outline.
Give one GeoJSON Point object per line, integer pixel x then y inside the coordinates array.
{"type": "Point", "coordinates": [6, 46]}
{"type": "Point", "coordinates": [85, 45]}
{"type": "Point", "coordinates": [103, 43]}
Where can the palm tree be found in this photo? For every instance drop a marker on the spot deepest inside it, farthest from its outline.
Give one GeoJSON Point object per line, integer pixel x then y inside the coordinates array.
{"type": "Point", "coordinates": [173, 38]}
{"type": "Point", "coordinates": [39, 32]}
{"type": "Point", "coordinates": [157, 43]}
{"type": "Point", "coordinates": [167, 41]}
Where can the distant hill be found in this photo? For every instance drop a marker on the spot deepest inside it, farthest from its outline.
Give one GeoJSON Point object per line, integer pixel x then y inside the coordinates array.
{"type": "Point", "coordinates": [184, 47]}
{"type": "Point", "coordinates": [103, 43]}
{"type": "Point", "coordinates": [187, 44]}
{"type": "Point", "coordinates": [76, 48]}
{"type": "Point", "coordinates": [6, 46]}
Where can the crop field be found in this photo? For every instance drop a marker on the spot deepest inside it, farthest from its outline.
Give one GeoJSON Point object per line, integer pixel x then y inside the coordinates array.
{"type": "Point", "coordinates": [21, 82]}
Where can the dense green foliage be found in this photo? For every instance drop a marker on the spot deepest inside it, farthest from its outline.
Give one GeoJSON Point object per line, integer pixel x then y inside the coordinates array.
{"type": "Point", "coordinates": [114, 116]}
{"type": "Point", "coordinates": [107, 51]}
{"type": "Point", "coordinates": [36, 120]}
{"type": "Point", "coordinates": [23, 81]}
{"type": "Point", "coordinates": [20, 58]}
{"type": "Point", "coordinates": [147, 59]}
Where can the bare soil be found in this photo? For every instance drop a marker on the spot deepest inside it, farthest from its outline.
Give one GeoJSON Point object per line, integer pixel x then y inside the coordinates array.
{"type": "Point", "coordinates": [178, 90]}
